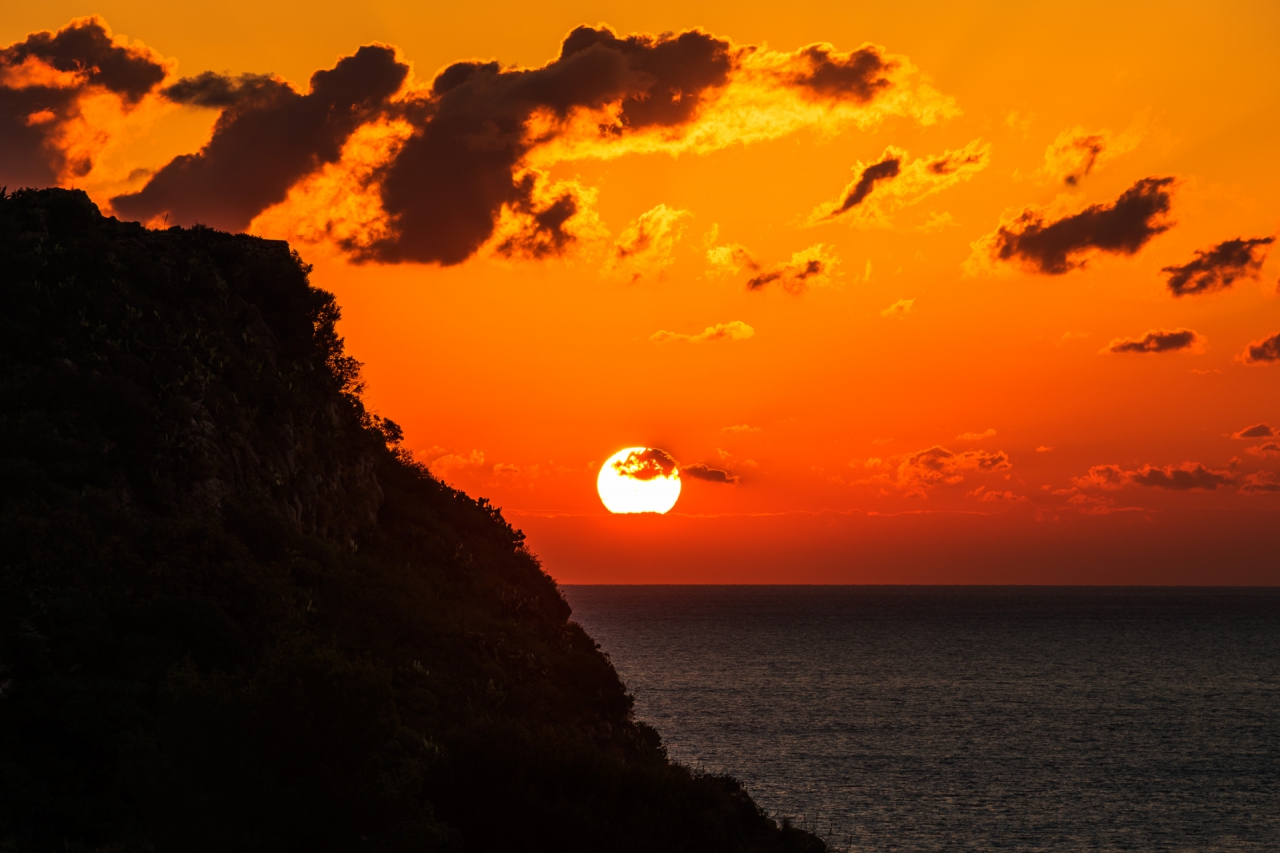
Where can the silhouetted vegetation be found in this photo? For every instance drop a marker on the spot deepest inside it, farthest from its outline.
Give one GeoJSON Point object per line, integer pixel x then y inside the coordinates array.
{"type": "Point", "coordinates": [234, 615]}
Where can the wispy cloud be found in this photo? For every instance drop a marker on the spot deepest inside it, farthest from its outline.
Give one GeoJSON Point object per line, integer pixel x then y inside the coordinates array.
{"type": "Point", "coordinates": [899, 310]}
{"type": "Point", "coordinates": [812, 266]}
{"type": "Point", "coordinates": [734, 330]}
{"type": "Point", "coordinates": [1158, 341]}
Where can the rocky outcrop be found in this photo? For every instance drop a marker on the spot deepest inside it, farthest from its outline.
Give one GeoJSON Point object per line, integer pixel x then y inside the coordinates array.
{"type": "Point", "coordinates": [234, 615]}
{"type": "Point", "coordinates": [241, 405]}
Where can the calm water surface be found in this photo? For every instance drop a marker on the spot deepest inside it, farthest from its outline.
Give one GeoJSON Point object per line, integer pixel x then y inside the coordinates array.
{"type": "Point", "coordinates": [931, 718]}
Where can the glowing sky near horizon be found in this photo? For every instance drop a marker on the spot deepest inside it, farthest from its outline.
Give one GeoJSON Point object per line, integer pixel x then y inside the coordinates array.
{"type": "Point", "coordinates": [913, 294]}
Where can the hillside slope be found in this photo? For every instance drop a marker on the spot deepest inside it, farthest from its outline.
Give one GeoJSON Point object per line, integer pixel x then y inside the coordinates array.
{"type": "Point", "coordinates": [234, 615]}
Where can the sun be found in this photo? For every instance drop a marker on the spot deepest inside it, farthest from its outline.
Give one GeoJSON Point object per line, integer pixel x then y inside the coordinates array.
{"type": "Point", "coordinates": [639, 479]}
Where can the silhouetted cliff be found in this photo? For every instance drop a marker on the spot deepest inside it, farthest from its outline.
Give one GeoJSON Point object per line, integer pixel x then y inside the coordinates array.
{"type": "Point", "coordinates": [235, 616]}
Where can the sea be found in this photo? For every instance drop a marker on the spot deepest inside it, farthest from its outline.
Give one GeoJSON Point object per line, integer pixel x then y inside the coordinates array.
{"type": "Point", "coordinates": [968, 718]}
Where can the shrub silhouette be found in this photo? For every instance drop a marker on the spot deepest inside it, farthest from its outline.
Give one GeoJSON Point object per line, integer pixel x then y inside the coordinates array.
{"type": "Point", "coordinates": [234, 615]}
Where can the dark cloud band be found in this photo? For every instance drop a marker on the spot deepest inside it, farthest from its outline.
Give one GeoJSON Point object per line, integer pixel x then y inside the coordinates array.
{"type": "Point", "coordinates": [1266, 351]}
{"type": "Point", "coordinates": [883, 171]}
{"type": "Point", "coordinates": [699, 471]}
{"type": "Point", "coordinates": [1156, 341]}
{"type": "Point", "coordinates": [1219, 267]}
{"type": "Point", "coordinates": [1054, 247]}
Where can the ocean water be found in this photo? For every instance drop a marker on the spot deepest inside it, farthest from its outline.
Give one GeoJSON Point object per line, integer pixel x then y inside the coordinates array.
{"type": "Point", "coordinates": [968, 718]}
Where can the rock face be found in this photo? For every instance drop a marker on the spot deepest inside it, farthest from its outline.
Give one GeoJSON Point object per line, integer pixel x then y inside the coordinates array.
{"type": "Point", "coordinates": [245, 406]}
{"type": "Point", "coordinates": [234, 615]}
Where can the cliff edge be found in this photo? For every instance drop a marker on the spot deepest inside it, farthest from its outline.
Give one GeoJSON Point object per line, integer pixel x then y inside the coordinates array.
{"type": "Point", "coordinates": [235, 615]}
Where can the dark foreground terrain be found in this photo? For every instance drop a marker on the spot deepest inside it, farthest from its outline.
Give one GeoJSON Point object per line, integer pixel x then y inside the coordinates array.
{"type": "Point", "coordinates": [235, 616]}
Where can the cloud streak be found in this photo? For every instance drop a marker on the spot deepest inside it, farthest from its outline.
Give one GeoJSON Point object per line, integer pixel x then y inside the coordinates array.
{"type": "Point", "coordinates": [699, 471]}
{"type": "Point", "coordinates": [1158, 341]}
{"type": "Point", "coordinates": [734, 330]}
{"type": "Point", "coordinates": [1219, 267]}
{"type": "Point", "coordinates": [1260, 483]}
{"type": "Point", "coordinates": [1255, 431]}
{"type": "Point", "coordinates": [896, 181]}
{"type": "Point", "coordinates": [1265, 351]}
{"type": "Point", "coordinates": [1184, 477]}
{"type": "Point", "coordinates": [811, 266]}
{"type": "Point", "coordinates": [1047, 246]}
{"type": "Point", "coordinates": [938, 465]}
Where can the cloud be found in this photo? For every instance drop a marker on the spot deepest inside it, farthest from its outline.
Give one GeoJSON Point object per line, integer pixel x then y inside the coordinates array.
{"type": "Point", "coordinates": [647, 245]}
{"type": "Point", "coordinates": [1260, 483]}
{"type": "Point", "coordinates": [454, 463]}
{"type": "Point", "coordinates": [887, 167]}
{"type": "Point", "coordinates": [62, 95]}
{"type": "Point", "coordinates": [1068, 337]}
{"type": "Point", "coordinates": [699, 471]}
{"type": "Point", "coordinates": [986, 496]}
{"type": "Point", "coordinates": [1218, 268]}
{"type": "Point", "coordinates": [896, 181]}
{"type": "Point", "coordinates": [938, 465]}
{"type": "Point", "coordinates": [740, 428]}
{"type": "Point", "coordinates": [730, 259]}
{"type": "Point", "coordinates": [1266, 350]}
{"type": "Point", "coordinates": [812, 266]}
{"type": "Point", "coordinates": [1044, 448]}
{"type": "Point", "coordinates": [1101, 477]}
{"type": "Point", "coordinates": [976, 436]}
{"type": "Point", "coordinates": [442, 168]}
{"type": "Point", "coordinates": [1077, 152]}
{"type": "Point", "coordinates": [734, 330]}
{"type": "Point", "coordinates": [1158, 340]}
{"type": "Point", "coordinates": [1271, 448]}
{"type": "Point", "coordinates": [899, 310]}
{"type": "Point", "coordinates": [1057, 246]}
{"type": "Point", "coordinates": [267, 138]}
{"type": "Point", "coordinates": [1184, 477]}
{"type": "Point", "coordinates": [1255, 431]}
{"type": "Point", "coordinates": [859, 75]}
{"type": "Point", "coordinates": [646, 464]}
{"type": "Point", "coordinates": [548, 218]}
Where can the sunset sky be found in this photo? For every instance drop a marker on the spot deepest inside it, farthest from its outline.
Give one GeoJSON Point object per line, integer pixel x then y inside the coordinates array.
{"type": "Point", "coordinates": [920, 293]}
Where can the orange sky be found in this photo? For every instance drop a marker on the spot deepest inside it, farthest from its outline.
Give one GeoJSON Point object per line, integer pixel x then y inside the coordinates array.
{"type": "Point", "coordinates": [919, 409]}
